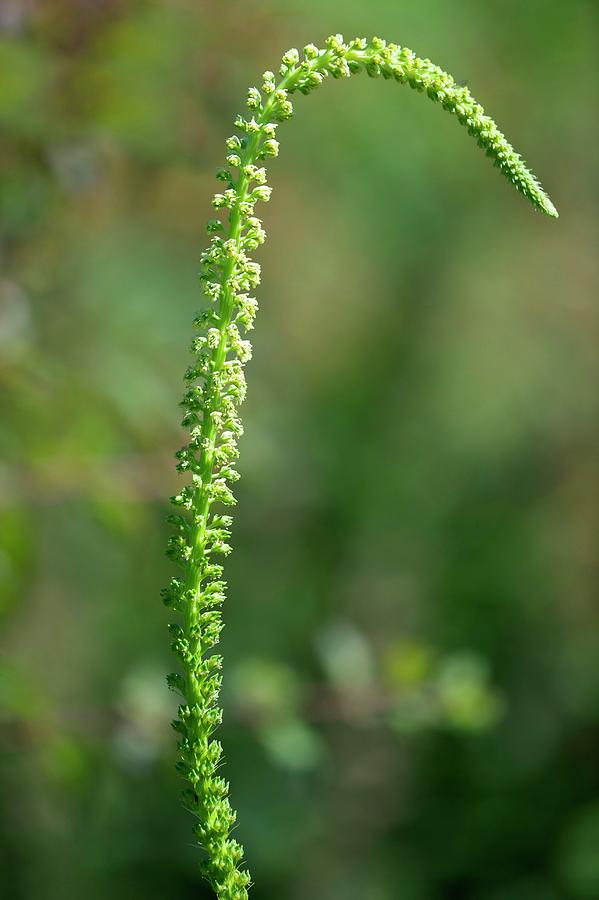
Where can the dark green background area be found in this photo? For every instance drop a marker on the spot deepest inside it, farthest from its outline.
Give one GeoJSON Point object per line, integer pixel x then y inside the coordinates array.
{"type": "Point", "coordinates": [412, 643]}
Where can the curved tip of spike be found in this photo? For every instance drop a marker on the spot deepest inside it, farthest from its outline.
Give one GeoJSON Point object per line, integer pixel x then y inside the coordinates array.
{"type": "Point", "coordinates": [548, 208]}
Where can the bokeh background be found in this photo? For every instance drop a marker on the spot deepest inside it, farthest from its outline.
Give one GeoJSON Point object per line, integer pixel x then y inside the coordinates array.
{"type": "Point", "coordinates": [412, 640]}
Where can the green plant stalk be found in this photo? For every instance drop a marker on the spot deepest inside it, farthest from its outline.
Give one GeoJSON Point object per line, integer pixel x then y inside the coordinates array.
{"type": "Point", "coordinates": [216, 388]}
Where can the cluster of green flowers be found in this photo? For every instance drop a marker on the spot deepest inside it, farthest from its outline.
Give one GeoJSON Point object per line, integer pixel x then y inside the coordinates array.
{"type": "Point", "coordinates": [216, 387]}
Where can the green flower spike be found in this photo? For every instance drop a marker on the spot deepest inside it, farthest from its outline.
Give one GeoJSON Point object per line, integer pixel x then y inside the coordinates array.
{"type": "Point", "coordinates": [216, 388]}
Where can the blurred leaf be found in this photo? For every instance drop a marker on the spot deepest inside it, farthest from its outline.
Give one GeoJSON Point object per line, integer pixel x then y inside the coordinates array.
{"type": "Point", "coordinates": [292, 744]}
{"type": "Point", "coordinates": [345, 655]}
{"type": "Point", "coordinates": [408, 662]}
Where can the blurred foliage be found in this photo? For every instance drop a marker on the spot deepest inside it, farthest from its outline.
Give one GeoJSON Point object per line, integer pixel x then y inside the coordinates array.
{"type": "Point", "coordinates": [412, 632]}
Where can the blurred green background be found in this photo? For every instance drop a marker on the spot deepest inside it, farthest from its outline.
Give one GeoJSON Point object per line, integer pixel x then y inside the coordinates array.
{"type": "Point", "coordinates": [412, 641]}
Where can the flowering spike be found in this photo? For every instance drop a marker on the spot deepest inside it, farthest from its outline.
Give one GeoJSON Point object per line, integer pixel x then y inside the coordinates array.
{"type": "Point", "coordinates": [212, 405]}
